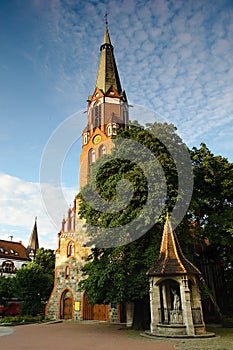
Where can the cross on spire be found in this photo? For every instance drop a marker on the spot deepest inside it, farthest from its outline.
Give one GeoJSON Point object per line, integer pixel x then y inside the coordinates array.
{"type": "Point", "coordinates": [106, 18]}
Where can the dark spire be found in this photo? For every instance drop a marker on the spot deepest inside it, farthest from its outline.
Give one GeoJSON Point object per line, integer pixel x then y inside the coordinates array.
{"type": "Point", "coordinates": [33, 244]}
{"type": "Point", "coordinates": [107, 74]}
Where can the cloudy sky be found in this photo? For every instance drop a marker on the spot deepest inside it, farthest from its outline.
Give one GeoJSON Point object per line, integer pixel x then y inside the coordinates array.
{"type": "Point", "coordinates": [174, 59]}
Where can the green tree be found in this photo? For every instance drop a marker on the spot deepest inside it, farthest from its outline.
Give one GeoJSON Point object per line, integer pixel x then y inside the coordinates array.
{"type": "Point", "coordinates": [212, 211]}
{"type": "Point", "coordinates": [135, 159]}
{"type": "Point", "coordinates": [212, 198]}
{"type": "Point", "coordinates": [32, 283]}
{"type": "Point", "coordinates": [119, 274]}
{"type": "Point", "coordinates": [46, 259]}
{"type": "Point", "coordinates": [7, 289]}
{"type": "Point", "coordinates": [33, 287]}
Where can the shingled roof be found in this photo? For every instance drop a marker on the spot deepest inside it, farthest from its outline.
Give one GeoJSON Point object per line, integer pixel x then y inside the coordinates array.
{"type": "Point", "coordinates": [107, 75]}
{"type": "Point", "coordinates": [12, 250]}
{"type": "Point", "coordinates": [171, 260]}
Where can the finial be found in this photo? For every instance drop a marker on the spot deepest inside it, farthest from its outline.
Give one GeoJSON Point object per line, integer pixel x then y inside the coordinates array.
{"type": "Point", "coordinates": [106, 18]}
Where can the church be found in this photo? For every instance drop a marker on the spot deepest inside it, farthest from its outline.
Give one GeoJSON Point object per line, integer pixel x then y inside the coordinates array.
{"type": "Point", "coordinates": [107, 111]}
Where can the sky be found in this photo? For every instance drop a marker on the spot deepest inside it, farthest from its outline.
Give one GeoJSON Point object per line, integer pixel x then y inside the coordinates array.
{"type": "Point", "coordinates": [175, 62]}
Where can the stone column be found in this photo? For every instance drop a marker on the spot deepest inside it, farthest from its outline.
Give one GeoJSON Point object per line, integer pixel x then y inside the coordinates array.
{"type": "Point", "coordinates": [129, 314]}
{"type": "Point", "coordinates": [186, 306]}
{"type": "Point", "coordinates": [154, 304]}
{"type": "Point", "coordinates": [165, 304]}
{"type": "Point", "coordinates": [196, 302]}
{"type": "Point", "coordinates": [196, 298]}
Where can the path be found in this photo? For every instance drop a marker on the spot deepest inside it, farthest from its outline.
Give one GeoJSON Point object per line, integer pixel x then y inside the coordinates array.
{"type": "Point", "coordinates": [78, 336]}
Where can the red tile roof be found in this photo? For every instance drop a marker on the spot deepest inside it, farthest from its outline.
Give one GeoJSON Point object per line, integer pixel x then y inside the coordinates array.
{"type": "Point", "coordinates": [12, 250]}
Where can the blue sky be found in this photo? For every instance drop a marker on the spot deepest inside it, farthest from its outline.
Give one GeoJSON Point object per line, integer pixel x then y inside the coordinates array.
{"type": "Point", "coordinates": [174, 58]}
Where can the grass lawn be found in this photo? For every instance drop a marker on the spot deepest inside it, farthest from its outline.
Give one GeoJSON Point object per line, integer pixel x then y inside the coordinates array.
{"type": "Point", "coordinates": [222, 341]}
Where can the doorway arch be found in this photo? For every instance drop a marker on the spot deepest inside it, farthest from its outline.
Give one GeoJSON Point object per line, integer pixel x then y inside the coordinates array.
{"type": "Point", "coordinates": [66, 305]}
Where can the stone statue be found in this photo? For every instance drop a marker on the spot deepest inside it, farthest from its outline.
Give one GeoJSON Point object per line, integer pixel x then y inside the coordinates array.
{"type": "Point", "coordinates": [176, 301]}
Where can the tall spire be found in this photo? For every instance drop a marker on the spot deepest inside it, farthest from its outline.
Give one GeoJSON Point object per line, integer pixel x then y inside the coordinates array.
{"type": "Point", "coordinates": [107, 110]}
{"type": "Point", "coordinates": [107, 75]}
{"type": "Point", "coordinates": [33, 244]}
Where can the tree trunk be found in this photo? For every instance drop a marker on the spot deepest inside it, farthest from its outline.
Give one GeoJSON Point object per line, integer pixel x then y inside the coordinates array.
{"type": "Point", "coordinates": [141, 317]}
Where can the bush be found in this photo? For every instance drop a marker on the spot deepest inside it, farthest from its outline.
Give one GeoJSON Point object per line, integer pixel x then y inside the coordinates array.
{"type": "Point", "coordinates": [19, 319]}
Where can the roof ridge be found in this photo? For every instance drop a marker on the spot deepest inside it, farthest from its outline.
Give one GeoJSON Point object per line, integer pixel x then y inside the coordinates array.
{"type": "Point", "coordinates": [171, 258]}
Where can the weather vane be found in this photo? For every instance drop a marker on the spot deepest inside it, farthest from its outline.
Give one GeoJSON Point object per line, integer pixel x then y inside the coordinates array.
{"type": "Point", "coordinates": [106, 18]}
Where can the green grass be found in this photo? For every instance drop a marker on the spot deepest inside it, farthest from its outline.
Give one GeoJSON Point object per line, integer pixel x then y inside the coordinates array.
{"type": "Point", "coordinates": [222, 341]}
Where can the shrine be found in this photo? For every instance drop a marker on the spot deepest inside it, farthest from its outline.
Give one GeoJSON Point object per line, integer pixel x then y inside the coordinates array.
{"type": "Point", "coordinates": [175, 301]}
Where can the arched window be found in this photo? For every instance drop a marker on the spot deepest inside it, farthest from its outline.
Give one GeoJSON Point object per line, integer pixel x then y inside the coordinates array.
{"type": "Point", "coordinates": [67, 272]}
{"type": "Point", "coordinates": [91, 156]}
{"type": "Point", "coordinates": [72, 221]}
{"type": "Point", "coordinates": [102, 150]}
{"type": "Point", "coordinates": [70, 248]}
{"type": "Point", "coordinates": [114, 127]}
{"type": "Point", "coordinates": [109, 130]}
{"type": "Point", "coordinates": [97, 116]}
{"type": "Point", "coordinates": [8, 266]}
{"type": "Point", "coordinates": [85, 139]}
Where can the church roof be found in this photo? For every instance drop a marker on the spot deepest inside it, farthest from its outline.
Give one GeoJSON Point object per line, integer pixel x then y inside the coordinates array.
{"type": "Point", "coordinates": [171, 260]}
{"type": "Point", "coordinates": [107, 74]}
{"type": "Point", "coordinates": [12, 250]}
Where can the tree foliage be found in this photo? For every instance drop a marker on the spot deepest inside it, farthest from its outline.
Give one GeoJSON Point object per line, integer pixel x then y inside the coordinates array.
{"type": "Point", "coordinates": [7, 289]}
{"type": "Point", "coordinates": [118, 274]}
{"type": "Point", "coordinates": [212, 198]}
{"type": "Point", "coordinates": [33, 287]}
{"type": "Point", "coordinates": [46, 259]}
{"type": "Point", "coordinates": [140, 159]}
{"type": "Point", "coordinates": [32, 284]}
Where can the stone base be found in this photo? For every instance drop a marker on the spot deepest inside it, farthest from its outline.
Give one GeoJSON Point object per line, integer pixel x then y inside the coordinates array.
{"type": "Point", "coordinates": [175, 332]}
{"type": "Point", "coordinates": [170, 329]}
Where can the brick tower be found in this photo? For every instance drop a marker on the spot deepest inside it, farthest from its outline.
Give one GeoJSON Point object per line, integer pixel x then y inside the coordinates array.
{"type": "Point", "coordinates": [107, 111]}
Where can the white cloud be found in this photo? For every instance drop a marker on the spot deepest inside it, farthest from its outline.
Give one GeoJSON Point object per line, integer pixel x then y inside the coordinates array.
{"type": "Point", "coordinates": [20, 203]}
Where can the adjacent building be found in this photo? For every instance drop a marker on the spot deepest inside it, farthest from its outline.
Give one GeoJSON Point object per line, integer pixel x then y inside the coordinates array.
{"type": "Point", "coordinates": [14, 255]}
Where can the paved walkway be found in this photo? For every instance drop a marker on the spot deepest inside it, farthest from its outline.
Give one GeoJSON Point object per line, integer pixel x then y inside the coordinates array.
{"type": "Point", "coordinates": [77, 336]}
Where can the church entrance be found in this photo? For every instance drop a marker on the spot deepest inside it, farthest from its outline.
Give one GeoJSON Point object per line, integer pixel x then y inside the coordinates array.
{"type": "Point", "coordinates": [66, 305]}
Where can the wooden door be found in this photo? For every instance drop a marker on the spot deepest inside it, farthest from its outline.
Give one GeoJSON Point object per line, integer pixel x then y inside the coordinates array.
{"type": "Point", "coordinates": [101, 312]}
{"type": "Point", "coordinates": [98, 312]}
{"type": "Point", "coordinates": [87, 310]}
{"type": "Point", "coordinates": [67, 308]}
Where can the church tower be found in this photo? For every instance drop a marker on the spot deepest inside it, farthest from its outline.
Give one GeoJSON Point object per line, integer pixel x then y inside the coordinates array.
{"type": "Point", "coordinates": [107, 110]}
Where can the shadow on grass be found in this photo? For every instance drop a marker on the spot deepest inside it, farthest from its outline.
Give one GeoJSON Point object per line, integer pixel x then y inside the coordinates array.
{"type": "Point", "coordinates": [222, 341]}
